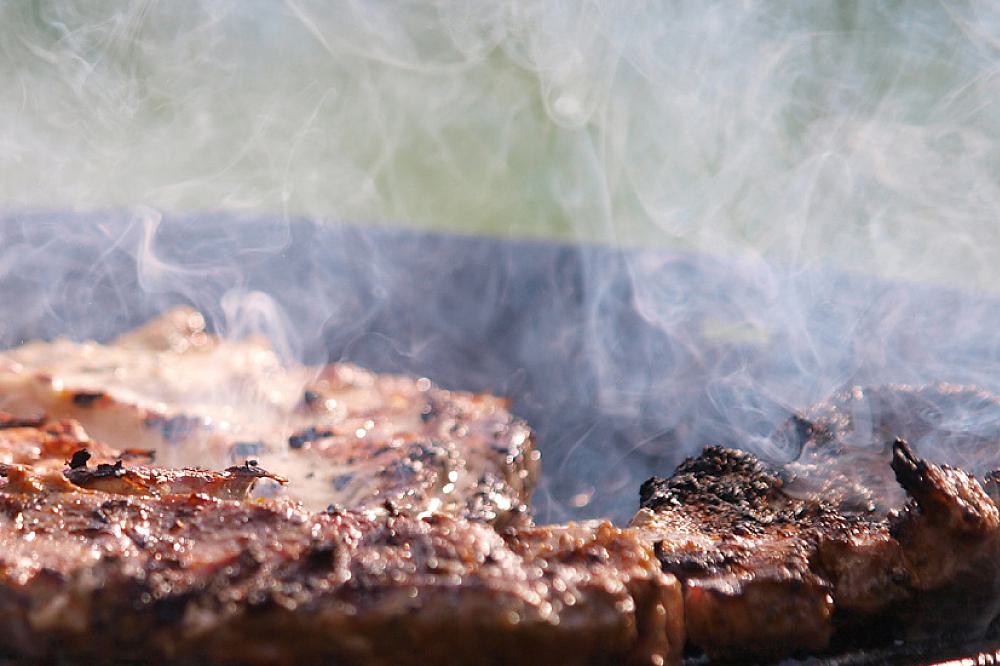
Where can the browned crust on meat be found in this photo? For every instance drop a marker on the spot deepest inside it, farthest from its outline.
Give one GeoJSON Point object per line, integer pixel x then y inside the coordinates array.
{"type": "Point", "coordinates": [742, 548]}
{"type": "Point", "coordinates": [104, 561]}
{"type": "Point", "coordinates": [197, 579]}
{"type": "Point", "coordinates": [466, 454]}
{"type": "Point", "coordinates": [768, 574]}
{"type": "Point", "coordinates": [341, 434]}
{"type": "Point", "coordinates": [236, 482]}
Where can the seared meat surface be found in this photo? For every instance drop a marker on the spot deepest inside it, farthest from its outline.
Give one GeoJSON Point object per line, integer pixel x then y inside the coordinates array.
{"type": "Point", "coordinates": [124, 544]}
{"type": "Point", "coordinates": [59, 455]}
{"type": "Point", "coordinates": [183, 572]}
{"type": "Point", "coordinates": [843, 444]}
{"type": "Point", "coordinates": [766, 573]}
{"type": "Point", "coordinates": [742, 548]}
{"type": "Point", "coordinates": [341, 434]}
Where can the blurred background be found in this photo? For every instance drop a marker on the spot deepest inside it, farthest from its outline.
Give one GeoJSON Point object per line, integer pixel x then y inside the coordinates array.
{"type": "Point", "coordinates": [865, 135]}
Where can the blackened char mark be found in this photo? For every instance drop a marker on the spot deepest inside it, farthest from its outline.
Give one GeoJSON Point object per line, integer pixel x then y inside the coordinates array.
{"type": "Point", "coordinates": [299, 439]}
{"type": "Point", "coordinates": [87, 398]}
{"type": "Point", "coordinates": [79, 459]}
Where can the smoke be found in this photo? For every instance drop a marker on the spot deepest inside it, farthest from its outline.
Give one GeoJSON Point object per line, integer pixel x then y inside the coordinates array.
{"type": "Point", "coordinates": [852, 133]}
{"type": "Point", "coordinates": [797, 189]}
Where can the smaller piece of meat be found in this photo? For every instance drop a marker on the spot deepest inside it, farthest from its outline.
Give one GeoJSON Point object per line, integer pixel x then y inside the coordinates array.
{"type": "Point", "coordinates": [768, 574]}
{"type": "Point", "coordinates": [949, 534]}
{"type": "Point", "coordinates": [742, 550]}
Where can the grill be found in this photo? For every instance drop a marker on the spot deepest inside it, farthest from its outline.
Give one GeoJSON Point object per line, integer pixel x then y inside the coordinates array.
{"type": "Point", "coordinates": [623, 360]}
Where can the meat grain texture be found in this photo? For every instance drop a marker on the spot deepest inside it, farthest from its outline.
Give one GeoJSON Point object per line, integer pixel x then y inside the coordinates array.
{"type": "Point", "coordinates": [769, 574]}
{"type": "Point", "coordinates": [340, 434]}
{"type": "Point", "coordinates": [123, 545]}
{"type": "Point", "coordinates": [183, 566]}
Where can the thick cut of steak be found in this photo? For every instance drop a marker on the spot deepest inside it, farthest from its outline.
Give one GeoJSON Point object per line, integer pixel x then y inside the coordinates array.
{"type": "Point", "coordinates": [742, 548]}
{"type": "Point", "coordinates": [767, 573]}
{"type": "Point", "coordinates": [121, 571]}
{"type": "Point", "coordinates": [341, 434]}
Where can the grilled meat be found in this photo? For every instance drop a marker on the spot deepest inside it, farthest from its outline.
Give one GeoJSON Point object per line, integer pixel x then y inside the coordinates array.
{"type": "Point", "coordinates": [341, 434]}
{"type": "Point", "coordinates": [58, 455]}
{"type": "Point", "coordinates": [742, 548]}
{"type": "Point", "coordinates": [44, 442]}
{"type": "Point", "coordinates": [235, 482]}
{"type": "Point", "coordinates": [767, 573]}
{"type": "Point", "coordinates": [123, 571]}
{"type": "Point", "coordinates": [103, 555]}
{"type": "Point", "coordinates": [843, 444]}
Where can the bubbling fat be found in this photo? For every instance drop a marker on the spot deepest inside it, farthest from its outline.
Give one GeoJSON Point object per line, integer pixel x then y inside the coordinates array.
{"type": "Point", "coordinates": [340, 434]}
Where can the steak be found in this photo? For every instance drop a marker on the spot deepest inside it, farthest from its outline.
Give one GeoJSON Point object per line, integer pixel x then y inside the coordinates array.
{"type": "Point", "coordinates": [182, 569]}
{"type": "Point", "coordinates": [767, 572]}
{"type": "Point", "coordinates": [341, 434]}
{"type": "Point", "coordinates": [842, 445]}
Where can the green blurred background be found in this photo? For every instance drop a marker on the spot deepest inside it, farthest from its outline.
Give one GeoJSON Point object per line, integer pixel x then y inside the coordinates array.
{"type": "Point", "coordinates": [860, 134]}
